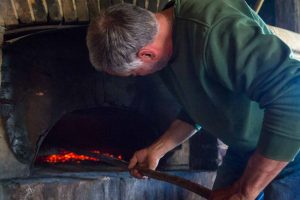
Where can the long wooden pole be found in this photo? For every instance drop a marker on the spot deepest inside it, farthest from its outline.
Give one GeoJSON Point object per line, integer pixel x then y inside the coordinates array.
{"type": "Point", "coordinates": [181, 182]}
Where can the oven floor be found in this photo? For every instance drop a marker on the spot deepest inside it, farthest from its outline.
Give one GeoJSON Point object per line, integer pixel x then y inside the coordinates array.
{"type": "Point", "coordinates": [106, 185]}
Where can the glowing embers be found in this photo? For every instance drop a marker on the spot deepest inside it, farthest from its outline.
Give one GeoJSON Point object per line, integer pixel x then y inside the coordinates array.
{"type": "Point", "coordinates": [70, 157]}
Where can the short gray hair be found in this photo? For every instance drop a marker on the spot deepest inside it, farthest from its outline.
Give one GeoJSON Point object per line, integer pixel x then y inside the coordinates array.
{"type": "Point", "coordinates": [115, 37]}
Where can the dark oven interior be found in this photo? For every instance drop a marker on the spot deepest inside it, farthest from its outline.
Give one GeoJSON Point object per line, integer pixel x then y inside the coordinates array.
{"type": "Point", "coordinates": [56, 101]}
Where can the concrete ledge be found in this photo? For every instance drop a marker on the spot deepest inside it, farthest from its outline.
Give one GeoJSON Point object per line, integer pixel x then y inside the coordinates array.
{"type": "Point", "coordinates": [104, 186]}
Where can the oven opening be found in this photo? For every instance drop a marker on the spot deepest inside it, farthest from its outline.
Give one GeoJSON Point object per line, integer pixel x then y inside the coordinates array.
{"type": "Point", "coordinates": [113, 132]}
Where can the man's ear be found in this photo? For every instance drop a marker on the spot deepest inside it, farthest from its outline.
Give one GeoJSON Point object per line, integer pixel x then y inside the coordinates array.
{"type": "Point", "coordinates": [147, 55]}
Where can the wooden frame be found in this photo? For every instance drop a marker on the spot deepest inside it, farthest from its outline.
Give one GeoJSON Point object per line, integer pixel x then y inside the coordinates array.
{"type": "Point", "coordinates": [29, 12]}
{"type": "Point", "coordinates": [288, 14]}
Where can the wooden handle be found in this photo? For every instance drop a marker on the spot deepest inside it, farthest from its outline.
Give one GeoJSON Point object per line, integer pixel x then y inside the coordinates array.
{"type": "Point", "coordinates": [181, 182]}
{"type": "Point", "coordinates": [176, 180]}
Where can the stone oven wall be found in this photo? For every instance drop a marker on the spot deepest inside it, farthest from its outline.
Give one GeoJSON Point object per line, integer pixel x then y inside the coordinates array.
{"type": "Point", "coordinates": [49, 75]}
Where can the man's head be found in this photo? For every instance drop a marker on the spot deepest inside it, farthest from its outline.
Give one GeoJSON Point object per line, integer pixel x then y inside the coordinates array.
{"type": "Point", "coordinates": [124, 40]}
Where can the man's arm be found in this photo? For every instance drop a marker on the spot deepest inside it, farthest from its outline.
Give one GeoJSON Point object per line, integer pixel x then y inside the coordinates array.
{"type": "Point", "coordinates": [246, 58]}
{"type": "Point", "coordinates": [260, 171]}
{"type": "Point", "coordinates": [177, 133]}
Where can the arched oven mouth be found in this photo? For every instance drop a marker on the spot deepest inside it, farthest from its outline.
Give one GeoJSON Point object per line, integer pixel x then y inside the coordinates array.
{"type": "Point", "coordinates": [109, 131]}
{"type": "Point", "coordinates": [52, 98]}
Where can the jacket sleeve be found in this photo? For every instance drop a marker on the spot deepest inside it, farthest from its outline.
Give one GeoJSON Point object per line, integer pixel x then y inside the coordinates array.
{"type": "Point", "coordinates": [246, 58]}
{"type": "Point", "coordinates": [183, 116]}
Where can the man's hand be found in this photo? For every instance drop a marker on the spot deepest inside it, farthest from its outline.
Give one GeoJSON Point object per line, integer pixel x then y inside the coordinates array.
{"type": "Point", "coordinates": [260, 171]}
{"type": "Point", "coordinates": [143, 158]}
{"type": "Point", "coordinates": [232, 193]}
{"type": "Point", "coordinates": [178, 132]}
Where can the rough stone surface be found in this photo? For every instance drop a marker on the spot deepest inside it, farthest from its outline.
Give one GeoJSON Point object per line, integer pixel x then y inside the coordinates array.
{"type": "Point", "coordinates": [104, 186]}
{"type": "Point", "coordinates": [9, 165]}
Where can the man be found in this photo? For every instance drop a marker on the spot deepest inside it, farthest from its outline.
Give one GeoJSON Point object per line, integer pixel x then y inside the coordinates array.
{"type": "Point", "coordinates": [231, 76]}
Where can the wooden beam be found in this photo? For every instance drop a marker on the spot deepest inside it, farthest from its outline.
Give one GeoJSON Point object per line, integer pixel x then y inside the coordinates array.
{"type": "Point", "coordinates": [161, 4]}
{"type": "Point", "coordinates": [288, 14]}
{"type": "Point", "coordinates": [69, 10]}
{"type": "Point", "coordinates": [141, 3]}
{"type": "Point", "coordinates": [54, 10]}
{"type": "Point", "coordinates": [1, 21]}
{"type": "Point", "coordinates": [8, 12]}
{"type": "Point", "coordinates": [39, 9]}
{"type": "Point", "coordinates": [23, 11]}
{"type": "Point", "coordinates": [104, 4]}
{"type": "Point", "coordinates": [258, 5]}
{"type": "Point", "coordinates": [94, 8]}
{"type": "Point", "coordinates": [153, 5]}
{"type": "Point", "coordinates": [128, 1]}
{"type": "Point", "coordinates": [292, 39]}
{"type": "Point", "coordinates": [113, 2]}
{"type": "Point", "coordinates": [82, 10]}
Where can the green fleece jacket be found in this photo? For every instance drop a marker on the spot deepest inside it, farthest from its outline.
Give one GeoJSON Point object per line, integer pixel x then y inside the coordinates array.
{"type": "Point", "coordinates": [234, 78]}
